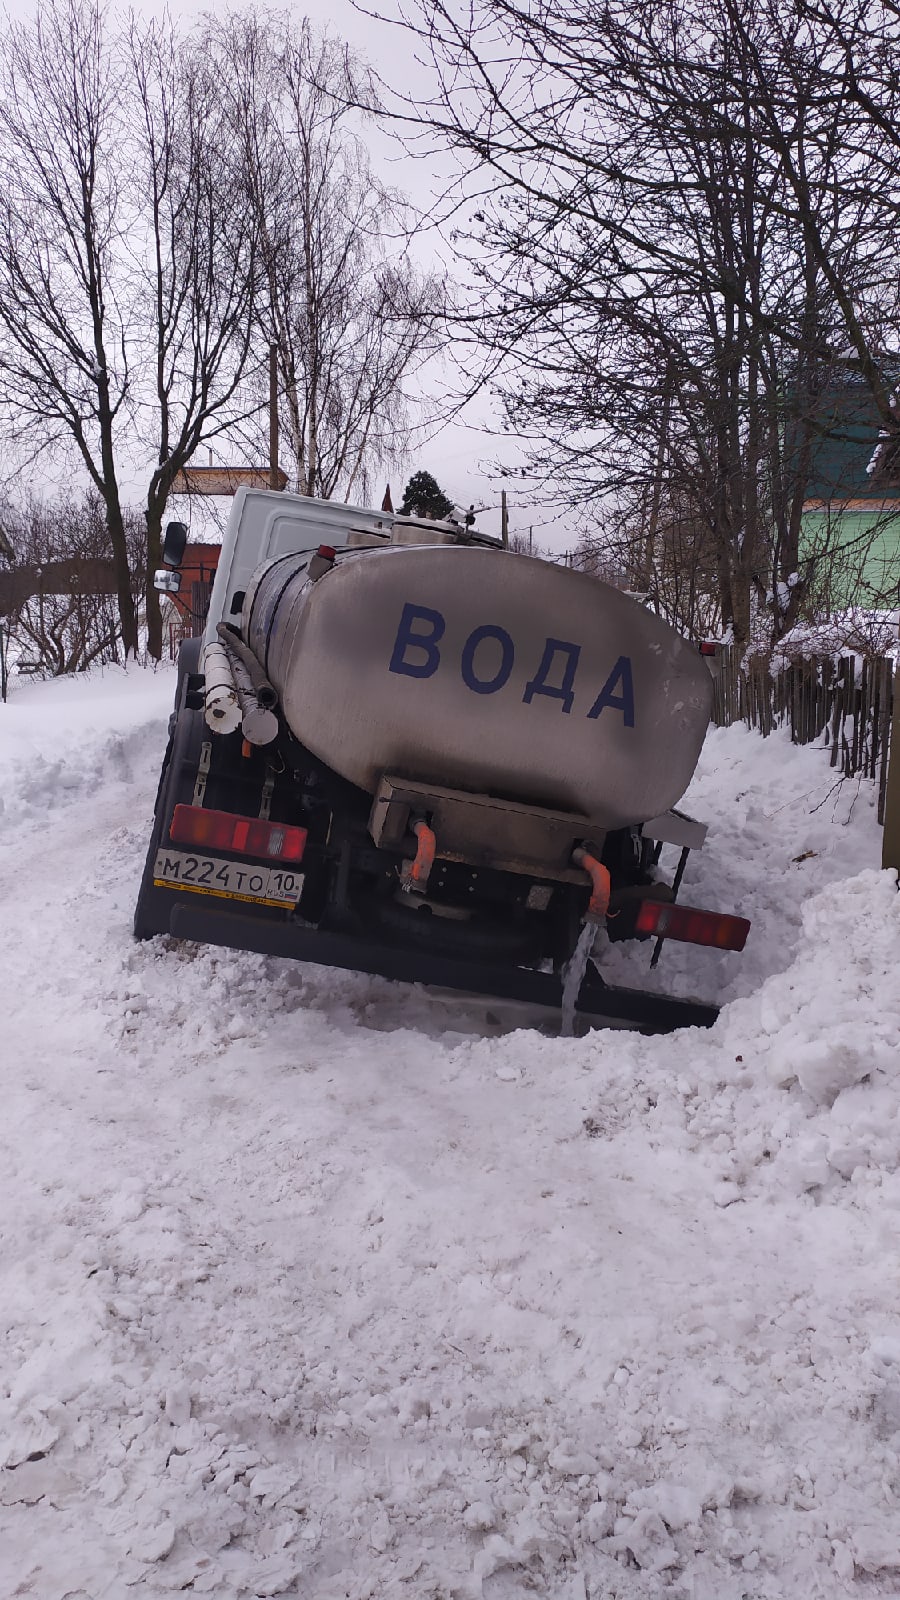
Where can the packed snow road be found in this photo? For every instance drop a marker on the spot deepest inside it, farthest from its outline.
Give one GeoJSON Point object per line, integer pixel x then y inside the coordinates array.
{"type": "Point", "coordinates": [310, 1290]}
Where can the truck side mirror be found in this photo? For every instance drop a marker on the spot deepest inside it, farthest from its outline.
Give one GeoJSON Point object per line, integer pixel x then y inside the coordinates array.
{"type": "Point", "coordinates": [174, 544]}
{"type": "Point", "coordinates": [166, 581]}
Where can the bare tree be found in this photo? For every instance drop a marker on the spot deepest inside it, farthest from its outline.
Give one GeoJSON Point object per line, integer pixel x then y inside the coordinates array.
{"type": "Point", "coordinates": [674, 569]}
{"type": "Point", "coordinates": [127, 264]}
{"type": "Point", "coordinates": [351, 321]}
{"type": "Point", "coordinates": [64, 369]}
{"type": "Point", "coordinates": [680, 249]}
{"type": "Point", "coordinates": [167, 211]}
{"type": "Point", "coordinates": [58, 601]}
{"type": "Point", "coordinates": [199, 277]}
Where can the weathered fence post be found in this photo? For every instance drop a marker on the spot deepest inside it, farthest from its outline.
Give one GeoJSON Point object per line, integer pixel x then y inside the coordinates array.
{"type": "Point", "coordinates": [890, 849]}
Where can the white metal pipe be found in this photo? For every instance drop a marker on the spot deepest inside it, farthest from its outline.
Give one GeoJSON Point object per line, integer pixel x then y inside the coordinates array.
{"type": "Point", "coordinates": [259, 725]}
{"type": "Point", "coordinates": [221, 706]}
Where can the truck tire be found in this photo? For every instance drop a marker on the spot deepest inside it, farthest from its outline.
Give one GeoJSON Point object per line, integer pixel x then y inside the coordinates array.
{"type": "Point", "coordinates": [188, 663]}
{"type": "Point", "coordinates": [176, 784]}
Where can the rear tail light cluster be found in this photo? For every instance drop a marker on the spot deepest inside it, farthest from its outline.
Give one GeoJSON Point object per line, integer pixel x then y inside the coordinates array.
{"type": "Point", "coordinates": [246, 836]}
{"type": "Point", "coordinates": [664, 921]}
{"type": "Point", "coordinates": [321, 562]}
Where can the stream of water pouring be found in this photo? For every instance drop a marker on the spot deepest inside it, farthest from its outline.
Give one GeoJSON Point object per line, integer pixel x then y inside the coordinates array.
{"type": "Point", "coordinates": [573, 977]}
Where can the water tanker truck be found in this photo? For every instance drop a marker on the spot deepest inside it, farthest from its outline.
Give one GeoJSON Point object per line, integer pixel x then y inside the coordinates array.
{"type": "Point", "coordinates": [403, 749]}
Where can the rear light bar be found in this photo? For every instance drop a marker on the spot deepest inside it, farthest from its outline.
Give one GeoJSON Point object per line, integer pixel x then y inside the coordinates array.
{"type": "Point", "coordinates": [664, 921]}
{"type": "Point", "coordinates": [246, 836]}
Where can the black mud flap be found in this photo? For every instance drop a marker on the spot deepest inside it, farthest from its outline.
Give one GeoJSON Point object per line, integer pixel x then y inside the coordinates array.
{"type": "Point", "coordinates": [598, 1006]}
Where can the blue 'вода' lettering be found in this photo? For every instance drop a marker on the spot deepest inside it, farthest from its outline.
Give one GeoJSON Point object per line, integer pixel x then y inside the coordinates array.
{"type": "Point", "coordinates": [507, 659]}
{"type": "Point", "coordinates": [539, 683]}
{"type": "Point", "coordinates": [427, 643]}
{"type": "Point", "coordinates": [624, 702]}
{"type": "Point", "coordinates": [421, 629]}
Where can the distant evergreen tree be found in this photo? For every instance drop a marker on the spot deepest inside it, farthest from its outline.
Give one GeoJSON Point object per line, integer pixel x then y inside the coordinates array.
{"type": "Point", "coordinates": [424, 497]}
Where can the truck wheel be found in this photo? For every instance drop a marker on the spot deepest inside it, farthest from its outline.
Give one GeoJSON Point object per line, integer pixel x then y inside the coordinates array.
{"type": "Point", "coordinates": [151, 914]}
{"type": "Point", "coordinates": [144, 924]}
{"type": "Point", "coordinates": [188, 663]}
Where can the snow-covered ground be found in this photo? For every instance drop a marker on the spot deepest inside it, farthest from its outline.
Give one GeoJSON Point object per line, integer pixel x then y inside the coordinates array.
{"type": "Point", "coordinates": [310, 1290]}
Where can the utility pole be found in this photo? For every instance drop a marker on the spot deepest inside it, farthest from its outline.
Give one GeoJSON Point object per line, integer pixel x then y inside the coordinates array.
{"type": "Point", "coordinates": [504, 521]}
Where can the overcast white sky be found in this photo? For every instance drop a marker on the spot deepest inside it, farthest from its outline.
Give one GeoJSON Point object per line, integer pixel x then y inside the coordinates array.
{"type": "Point", "coordinates": [461, 455]}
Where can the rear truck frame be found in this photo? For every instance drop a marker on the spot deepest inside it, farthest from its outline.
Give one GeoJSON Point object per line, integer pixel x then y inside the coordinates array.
{"type": "Point", "coordinates": [263, 848]}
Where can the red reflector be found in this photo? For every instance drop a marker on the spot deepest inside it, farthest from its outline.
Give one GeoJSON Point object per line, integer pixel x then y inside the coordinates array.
{"type": "Point", "coordinates": [246, 836]}
{"type": "Point", "coordinates": [708, 649]}
{"type": "Point", "coordinates": [690, 926]}
{"type": "Point", "coordinates": [327, 551]}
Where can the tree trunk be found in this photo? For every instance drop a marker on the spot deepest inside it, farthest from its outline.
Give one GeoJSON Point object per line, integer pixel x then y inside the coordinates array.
{"type": "Point", "coordinates": [109, 484]}
{"type": "Point", "coordinates": [154, 515]}
{"type": "Point", "coordinates": [124, 596]}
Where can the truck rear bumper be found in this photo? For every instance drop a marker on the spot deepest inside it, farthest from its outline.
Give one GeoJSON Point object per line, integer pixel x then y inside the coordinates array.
{"type": "Point", "coordinates": [599, 1005]}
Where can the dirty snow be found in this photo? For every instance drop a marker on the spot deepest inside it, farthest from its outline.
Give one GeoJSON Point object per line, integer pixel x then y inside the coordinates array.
{"type": "Point", "coordinates": [309, 1289]}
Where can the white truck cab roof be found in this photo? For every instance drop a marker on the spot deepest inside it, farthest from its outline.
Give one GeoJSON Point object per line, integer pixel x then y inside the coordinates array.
{"type": "Point", "coordinates": [264, 525]}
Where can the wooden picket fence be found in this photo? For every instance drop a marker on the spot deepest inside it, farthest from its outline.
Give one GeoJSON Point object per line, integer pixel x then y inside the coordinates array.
{"type": "Point", "coordinates": [847, 703]}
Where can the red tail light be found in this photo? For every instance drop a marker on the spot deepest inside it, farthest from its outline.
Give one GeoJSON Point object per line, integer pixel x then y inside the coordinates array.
{"type": "Point", "coordinates": [708, 648]}
{"type": "Point", "coordinates": [327, 552]}
{"type": "Point", "coordinates": [664, 921]}
{"type": "Point", "coordinates": [246, 836]}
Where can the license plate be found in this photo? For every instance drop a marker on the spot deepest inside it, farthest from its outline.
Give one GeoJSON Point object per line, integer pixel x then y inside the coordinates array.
{"type": "Point", "coordinates": [230, 880]}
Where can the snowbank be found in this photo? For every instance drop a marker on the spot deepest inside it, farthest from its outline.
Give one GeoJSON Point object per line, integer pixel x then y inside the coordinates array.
{"type": "Point", "coordinates": [310, 1290]}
